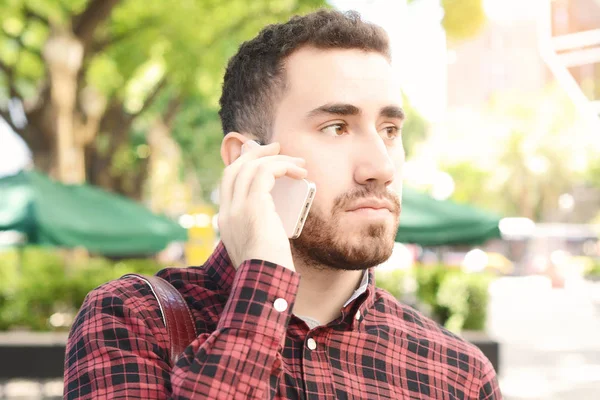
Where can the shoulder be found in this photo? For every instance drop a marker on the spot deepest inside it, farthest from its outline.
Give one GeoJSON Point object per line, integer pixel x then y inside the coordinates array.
{"type": "Point", "coordinates": [187, 280]}
{"type": "Point", "coordinates": [133, 295]}
{"type": "Point", "coordinates": [125, 308]}
{"type": "Point", "coordinates": [118, 304]}
{"type": "Point", "coordinates": [426, 335]}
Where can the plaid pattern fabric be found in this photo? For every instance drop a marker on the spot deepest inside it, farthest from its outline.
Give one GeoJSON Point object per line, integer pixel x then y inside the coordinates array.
{"type": "Point", "coordinates": [249, 348]}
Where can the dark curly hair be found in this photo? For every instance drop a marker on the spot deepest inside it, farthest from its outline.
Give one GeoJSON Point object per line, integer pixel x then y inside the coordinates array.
{"type": "Point", "coordinates": [255, 76]}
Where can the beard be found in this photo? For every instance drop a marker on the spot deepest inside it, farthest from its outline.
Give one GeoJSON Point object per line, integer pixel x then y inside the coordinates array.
{"type": "Point", "coordinates": [322, 244]}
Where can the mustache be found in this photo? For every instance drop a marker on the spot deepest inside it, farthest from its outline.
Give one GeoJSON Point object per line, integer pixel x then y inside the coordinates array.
{"type": "Point", "coordinates": [343, 201]}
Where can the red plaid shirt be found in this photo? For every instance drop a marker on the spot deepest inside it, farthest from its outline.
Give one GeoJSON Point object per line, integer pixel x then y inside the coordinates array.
{"type": "Point", "coordinates": [252, 346]}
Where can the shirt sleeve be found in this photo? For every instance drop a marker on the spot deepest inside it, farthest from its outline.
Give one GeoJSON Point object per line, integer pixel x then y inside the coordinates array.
{"type": "Point", "coordinates": [489, 388]}
{"type": "Point", "coordinates": [117, 347]}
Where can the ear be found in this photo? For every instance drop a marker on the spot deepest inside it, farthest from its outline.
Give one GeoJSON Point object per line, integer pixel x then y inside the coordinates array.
{"type": "Point", "coordinates": [231, 147]}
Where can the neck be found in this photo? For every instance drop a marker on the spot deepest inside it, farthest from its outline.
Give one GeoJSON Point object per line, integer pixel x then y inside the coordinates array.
{"type": "Point", "coordinates": [324, 291]}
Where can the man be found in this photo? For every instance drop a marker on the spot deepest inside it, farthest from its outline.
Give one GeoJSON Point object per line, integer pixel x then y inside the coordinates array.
{"type": "Point", "coordinates": [281, 318]}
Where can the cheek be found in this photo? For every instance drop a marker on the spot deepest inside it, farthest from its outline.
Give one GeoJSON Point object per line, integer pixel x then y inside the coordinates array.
{"type": "Point", "coordinates": [324, 198]}
{"type": "Point", "coordinates": [330, 175]}
{"type": "Point", "coordinates": [398, 158]}
{"type": "Point", "coordinates": [329, 186]}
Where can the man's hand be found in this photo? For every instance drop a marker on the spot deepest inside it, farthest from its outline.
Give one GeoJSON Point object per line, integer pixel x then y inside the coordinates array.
{"type": "Point", "coordinates": [249, 225]}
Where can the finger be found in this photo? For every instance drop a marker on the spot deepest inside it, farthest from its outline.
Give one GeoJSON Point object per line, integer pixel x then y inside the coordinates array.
{"type": "Point", "coordinates": [249, 171]}
{"type": "Point", "coordinates": [265, 179]}
{"type": "Point", "coordinates": [231, 171]}
{"type": "Point", "coordinates": [254, 169]}
{"type": "Point", "coordinates": [254, 152]}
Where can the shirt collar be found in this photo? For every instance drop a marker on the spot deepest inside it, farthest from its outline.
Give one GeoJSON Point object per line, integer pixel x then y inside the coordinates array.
{"type": "Point", "coordinates": [359, 306]}
{"type": "Point", "coordinates": [219, 268]}
{"type": "Point", "coordinates": [361, 289]}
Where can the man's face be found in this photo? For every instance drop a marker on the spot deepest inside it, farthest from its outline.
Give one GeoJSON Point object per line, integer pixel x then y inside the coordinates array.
{"type": "Point", "coordinates": [341, 112]}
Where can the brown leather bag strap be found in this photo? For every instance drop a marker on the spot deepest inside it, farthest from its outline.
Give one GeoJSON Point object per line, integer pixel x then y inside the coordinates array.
{"type": "Point", "coordinates": [176, 314]}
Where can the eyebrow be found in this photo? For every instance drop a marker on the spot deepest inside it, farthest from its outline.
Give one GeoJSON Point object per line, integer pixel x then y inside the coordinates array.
{"type": "Point", "coordinates": [392, 112]}
{"type": "Point", "coordinates": [334, 109]}
{"type": "Point", "coordinates": [342, 109]}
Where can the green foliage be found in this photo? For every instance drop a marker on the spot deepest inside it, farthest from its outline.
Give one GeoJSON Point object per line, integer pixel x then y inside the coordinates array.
{"type": "Point", "coordinates": [414, 130]}
{"type": "Point", "coordinates": [464, 297]}
{"type": "Point", "coordinates": [394, 282]}
{"type": "Point", "coordinates": [536, 149]}
{"type": "Point", "coordinates": [429, 280]}
{"type": "Point", "coordinates": [140, 46]}
{"type": "Point", "coordinates": [45, 284]}
{"type": "Point", "coordinates": [141, 57]}
{"type": "Point", "coordinates": [457, 300]}
{"type": "Point", "coordinates": [39, 283]}
{"type": "Point", "coordinates": [542, 149]}
{"type": "Point", "coordinates": [593, 173]}
{"type": "Point", "coordinates": [463, 18]}
{"type": "Point", "coordinates": [197, 129]}
{"type": "Point", "coordinates": [472, 186]}
{"type": "Point", "coordinates": [8, 281]}
{"type": "Point", "coordinates": [594, 270]}
{"type": "Point", "coordinates": [477, 301]}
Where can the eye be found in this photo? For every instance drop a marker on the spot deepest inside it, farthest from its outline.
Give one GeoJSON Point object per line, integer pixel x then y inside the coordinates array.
{"type": "Point", "coordinates": [391, 132]}
{"type": "Point", "coordinates": [338, 129]}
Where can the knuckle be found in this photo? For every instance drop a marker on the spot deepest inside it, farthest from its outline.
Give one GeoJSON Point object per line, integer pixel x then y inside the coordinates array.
{"type": "Point", "coordinates": [235, 213]}
{"type": "Point", "coordinates": [260, 197]}
{"type": "Point", "coordinates": [227, 171]}
{"type": "Point", "coordinates": [263, 169]}
{"type": "Point", "coordinates": [222, 220]}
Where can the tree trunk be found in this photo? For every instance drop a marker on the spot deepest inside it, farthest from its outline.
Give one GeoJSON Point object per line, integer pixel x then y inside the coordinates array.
{"type": "Point", "coordinates": [40, 136]}
{"type": "Point", "coordinates": [63, 56]}
{"type": "Point", "coordinates": [113, 139]}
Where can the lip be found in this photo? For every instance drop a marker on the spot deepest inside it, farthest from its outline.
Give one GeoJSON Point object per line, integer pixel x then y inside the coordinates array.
{"type": "Point", "coordinates": [372, 204]}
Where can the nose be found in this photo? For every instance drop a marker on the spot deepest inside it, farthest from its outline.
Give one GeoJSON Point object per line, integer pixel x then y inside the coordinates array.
{"type": "Point", "coordinates": [375, 163]}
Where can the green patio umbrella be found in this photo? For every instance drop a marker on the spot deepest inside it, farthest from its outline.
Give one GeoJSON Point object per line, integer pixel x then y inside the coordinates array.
{"type": "Point", "coordinates": [51, 213]}
{"type": "Point", "coordinates": [430, 222]}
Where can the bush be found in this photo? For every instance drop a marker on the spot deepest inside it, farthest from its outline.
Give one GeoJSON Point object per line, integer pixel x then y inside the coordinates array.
{"type": "Point", "coordinates": [478, 297]}
{"type": "Point", "coordinates": [44, 284]}
{"type": "Point", "coordinates": [8, 280]}
{"type": "Point", "coordinates": [465, 297]}
{"type": "Point", "coordinates": [594, 270]}
{"type": "Point", "coordinates": [34, 282]}
{"type": "Point", "coordinates": [429, 280]}
{"type": "Point", "coordinates": [453, 298]}
{"type": "Point", "coordinates": [393, 282]}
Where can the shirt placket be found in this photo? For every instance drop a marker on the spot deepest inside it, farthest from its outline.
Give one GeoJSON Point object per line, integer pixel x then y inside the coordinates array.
{"type": "Point", "coordinates": [316, 369]}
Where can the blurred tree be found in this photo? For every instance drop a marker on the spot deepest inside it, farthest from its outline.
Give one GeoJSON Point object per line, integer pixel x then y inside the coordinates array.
{"type": "Point", "coordinates": [414, 130]}
{"type": "Point", "coordinates": [593, 173]}
{"type": "Point", "coordinates": [90, 76]}
{"type": "Point", "coordinates": [543, 152]}
{"type": "Point", "coordinates": [82, 81]}
{"type": "Point", "coordinates": [462, 18]}
{"type": "Point", "coordinates": [535, 151]}
{"type": "Point", "coordinates": [472, 185]}
{"type": "Point", "coordinates": [199, 133]}
{"type": "Point", "coordinates": [198, 130]}
{"type": "Point", "coordinates": [596, 219]}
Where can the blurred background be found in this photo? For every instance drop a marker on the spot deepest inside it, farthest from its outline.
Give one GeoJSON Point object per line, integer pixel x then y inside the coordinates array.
{"type": "Point", "coordinates": [109, 164]}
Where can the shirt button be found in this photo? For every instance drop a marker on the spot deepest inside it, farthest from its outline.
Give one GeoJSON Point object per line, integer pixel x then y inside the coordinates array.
{"type": "Point", "coordinates": [311, 344]}
{"type": "Point", "coordinates": [357, 316]}
{"type": "Point", "coordinates": [280, 305]}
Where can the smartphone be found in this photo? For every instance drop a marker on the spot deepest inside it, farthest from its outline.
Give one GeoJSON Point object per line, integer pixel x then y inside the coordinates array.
{"type": "Point", "coordinates": [293, 199]}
